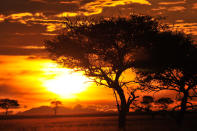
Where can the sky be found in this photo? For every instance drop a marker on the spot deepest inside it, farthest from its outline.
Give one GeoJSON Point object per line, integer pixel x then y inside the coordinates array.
{"type": "Point", "coordinates": [26, 72]}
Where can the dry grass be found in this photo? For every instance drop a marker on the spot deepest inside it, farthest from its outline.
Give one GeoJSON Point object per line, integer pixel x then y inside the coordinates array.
{"type": "Point", "coordinates": [105, 123]}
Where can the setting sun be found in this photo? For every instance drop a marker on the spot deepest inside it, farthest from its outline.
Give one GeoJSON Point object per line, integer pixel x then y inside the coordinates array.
{"type": "Point", "coordinates": [64, 82]}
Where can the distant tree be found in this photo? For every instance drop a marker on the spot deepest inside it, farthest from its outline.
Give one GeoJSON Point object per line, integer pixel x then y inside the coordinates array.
{"type": "Point", "coordinates": [164, 102]}
{"type": "Point", "coordinates": [171, 65]}
{"type": "Point", "coordinates": [7, 104]}
{"type": "Point", "coordinates": [55, 104]}
{"type": "Point", "coordinates": [147, 100]}
{"type": "Point", "coordinates": [105, 50]}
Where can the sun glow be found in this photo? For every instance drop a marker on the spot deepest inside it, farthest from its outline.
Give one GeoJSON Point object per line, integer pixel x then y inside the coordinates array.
{"type": "Point", "coordinates": [65, 83]}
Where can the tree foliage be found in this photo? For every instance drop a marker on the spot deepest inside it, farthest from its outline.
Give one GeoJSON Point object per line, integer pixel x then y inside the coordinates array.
{"type": "Point", "coordinates": [105, 49]}
{"type": "Point", "coordinates": [55, 105]}
{"type": "Point", "coordinates": [7, 104]}
{"type": "Point", "coordinates": [171, 65]}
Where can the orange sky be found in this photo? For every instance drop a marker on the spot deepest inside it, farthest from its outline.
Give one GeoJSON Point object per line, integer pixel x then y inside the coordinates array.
{"type": "Point", "coordinates": [25, 70]}
{"type": "Point", "coordinates": [36, 82]}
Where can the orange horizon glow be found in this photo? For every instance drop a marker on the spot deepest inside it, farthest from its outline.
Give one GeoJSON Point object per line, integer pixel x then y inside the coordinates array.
{"type": "Point", "coordinates": [36, 81]}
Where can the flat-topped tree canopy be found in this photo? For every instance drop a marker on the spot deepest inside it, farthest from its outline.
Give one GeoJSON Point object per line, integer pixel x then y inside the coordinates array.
{"type": "Point", "coordinates": [7, 104]}
{"type": "Point", "coordinates": [104, 49]}
{"type": "Point", "coordinates": [171, 50]}
{"type": "Point", "coordinates": [105, 43]}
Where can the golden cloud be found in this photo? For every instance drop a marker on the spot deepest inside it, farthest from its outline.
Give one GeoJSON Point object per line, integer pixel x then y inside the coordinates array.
{"type": "Point", "coordinates": [159, 8]}
{"type": "Point", "coordinates": [33, 47]}
{"type": "Point", "coordinates": [67, 14]}
{"type": "Point", "coordinates": [38, 18]}
{"type": "Point", "coordinates": [188, 28]}
{"type": "Point", "coordinates": [179, 21]}
{"type": "Point", "coordinates": [97, 6]}
{"type": "Point", "coordinates": [176, 8]}
{"type": "Point", "coordinates": [48, 34]}
{"type": "Point", "coordinates": [24, 17]}
{"type": "Point", "coordinates": [50, 27]}
{"type": "Point", "coordinates": [172, 2]}
{"type": "Point", "coordinates": [70, 2]}
{"type": "Point", "coordinates": [2, 17]}
{"type": "Point", "coordinates": [20, 15]}
{"type": "Point", "coordinates": [16, 17]}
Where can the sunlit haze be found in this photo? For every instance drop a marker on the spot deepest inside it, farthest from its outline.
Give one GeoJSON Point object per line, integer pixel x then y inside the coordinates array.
{"type": "Point", "coordinates": [65, 82]}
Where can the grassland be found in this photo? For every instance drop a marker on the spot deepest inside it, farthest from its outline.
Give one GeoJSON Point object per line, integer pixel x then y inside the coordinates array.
{"type": "Point", "coordinates": [137, 122]}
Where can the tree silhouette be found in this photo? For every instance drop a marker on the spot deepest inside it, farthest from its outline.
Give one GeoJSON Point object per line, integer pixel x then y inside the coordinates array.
{"type": "Point", "coordinates": [171, 65]}
{"type": "Point", "coordinates": [7, 104]}
{"type": "Point", "coordinates": [105, 50]}
{"type": "Point", "coordinates": [164, 102]}
{"type": "Point", "coordinates": [147, 100]}
{"type": "Point", "coordinates": [55, 105]}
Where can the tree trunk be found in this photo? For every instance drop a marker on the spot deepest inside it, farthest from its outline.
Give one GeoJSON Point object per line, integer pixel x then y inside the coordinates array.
{"type": "Point", "coordinates": [183, 109]}
{"type": "Point", "coordinates": [55, 111]}
{"type": "Point", "coordinates": [6, 112]}
{"type": "Point", "coordinates": [122, 111]}
{"type": "Point", "coordinates": [122, 119]}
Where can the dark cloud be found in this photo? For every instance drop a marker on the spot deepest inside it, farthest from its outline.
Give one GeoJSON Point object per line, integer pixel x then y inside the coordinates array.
{"type": "Point", "coordinates": [35, 57]}
{"type": "Point", "coordinates": [16, 29]}
{"type": "Point", "coordinates": [21, 51]}
{"type": "Point", "coordinates": [14, 36]}
{"type": "Point", "coordinates": [33, 6]}
{"type": "Point", "coordinates": [6, 90]}
{"type": "Point", "coordinates": [2, 62]}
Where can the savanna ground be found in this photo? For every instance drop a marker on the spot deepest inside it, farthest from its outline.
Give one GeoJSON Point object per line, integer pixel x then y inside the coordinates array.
{"type": "Point", "coordinates": [136, 122]}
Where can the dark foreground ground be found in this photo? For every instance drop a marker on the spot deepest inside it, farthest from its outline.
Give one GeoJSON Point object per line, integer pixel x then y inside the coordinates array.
{"type": "Point", "coordinates": [136, 122]}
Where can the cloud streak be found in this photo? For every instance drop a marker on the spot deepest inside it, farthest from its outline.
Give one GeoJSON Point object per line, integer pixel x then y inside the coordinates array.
{"type": "Point", "coordinates": [176, 8]}
{"type": "Point", "coordinates": [97, 6]}
{"type": "Point", "coordinates": [188, 28]}
{"type": "Point", "coordinates": [172, 2]}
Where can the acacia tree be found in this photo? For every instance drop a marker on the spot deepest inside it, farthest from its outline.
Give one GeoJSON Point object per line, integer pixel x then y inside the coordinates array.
{"type": "Point", "coordinates": [104, 50]}
{"type": "Point", "coordinates": [7, 104]}
{"type": "Point", "coordinates": [55, 105]}
{"type": "Point", "coordinates": [171, 65]}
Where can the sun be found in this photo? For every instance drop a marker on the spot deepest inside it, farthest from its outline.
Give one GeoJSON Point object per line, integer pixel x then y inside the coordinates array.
{"type": "Point", "coordinates": [65, 83]}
